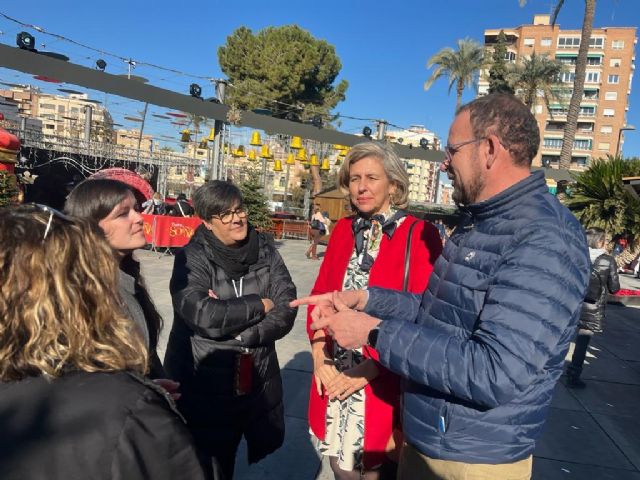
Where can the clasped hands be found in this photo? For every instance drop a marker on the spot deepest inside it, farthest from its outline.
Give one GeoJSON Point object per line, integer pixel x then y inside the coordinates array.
{"type": "Point", "coordinates": [337, 313]}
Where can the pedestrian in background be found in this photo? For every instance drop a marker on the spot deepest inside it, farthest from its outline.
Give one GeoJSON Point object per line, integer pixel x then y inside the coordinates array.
{"type": "Point", "coordinates": [604, 280]}
{"type": "Point", "coordinates": [319, 225]}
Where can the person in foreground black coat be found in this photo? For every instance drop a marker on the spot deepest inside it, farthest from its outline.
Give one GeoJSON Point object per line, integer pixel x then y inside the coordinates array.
{"type": "Point", "coordinates": [73, 400]}
{"type": "Point", "coordinates": [231, 292]}
{"type": "Point", "coordinates": [604, 280]}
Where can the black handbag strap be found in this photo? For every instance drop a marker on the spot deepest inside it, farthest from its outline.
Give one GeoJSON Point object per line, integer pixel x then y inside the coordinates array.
{"type": "Point", "coordinates": [407, 257]}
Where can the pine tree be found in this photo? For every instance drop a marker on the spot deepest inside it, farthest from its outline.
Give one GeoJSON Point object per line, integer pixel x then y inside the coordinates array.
{"type": "Point", "coordinates": [255, 202]}
{"type": "Point", "coordinates": [498, 72]}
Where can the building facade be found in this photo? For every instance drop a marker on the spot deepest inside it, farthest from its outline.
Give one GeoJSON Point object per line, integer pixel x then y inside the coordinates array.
{"type": "Point", "coordinates": [423, 175]}
{"type": "Point", "coordinates": [604, 106]}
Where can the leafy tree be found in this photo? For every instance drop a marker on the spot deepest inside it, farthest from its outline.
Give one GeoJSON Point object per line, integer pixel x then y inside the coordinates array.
{"type": "Point", "coordinates": [255, 201]}
{"type": "Point", "coordinates": [578, 85]}
{"type": "Point", "coordinates": [461, 66]}
{"type": "Point", "coordinates": [282, 64]}
{"type": "Point", "coordinates": [537, 73]}
{"type": "Point", "coordinates": [599, 199]}
{"type": "Point", "coordinates": [498, 73]}
{"type": "Point", "coordinates": [8, 189]}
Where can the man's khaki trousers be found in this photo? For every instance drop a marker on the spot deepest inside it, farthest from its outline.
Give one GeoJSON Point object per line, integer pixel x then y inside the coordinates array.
{"type": "Point", "coordinates": [416, 466]}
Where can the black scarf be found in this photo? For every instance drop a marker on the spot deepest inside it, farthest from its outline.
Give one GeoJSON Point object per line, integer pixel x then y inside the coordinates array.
{"type": "Point", "coordinates": [362, 224]}
{"type": "Point", "coordinates": [234, 261]}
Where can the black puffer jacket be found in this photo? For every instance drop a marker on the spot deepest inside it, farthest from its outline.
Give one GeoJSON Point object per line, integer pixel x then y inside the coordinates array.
{"type": "Point", "coordinates": [604, 280]}
{"type": "Point", "coordinates": [110, 426]}
{"type": "Point", "coordinates": [208, 334]}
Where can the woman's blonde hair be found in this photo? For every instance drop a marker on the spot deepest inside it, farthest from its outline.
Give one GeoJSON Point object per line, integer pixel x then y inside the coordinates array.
{"type": "Point", "coordinates": [391, 163]}
{"type": "Point", "coordinates": [59, 308]}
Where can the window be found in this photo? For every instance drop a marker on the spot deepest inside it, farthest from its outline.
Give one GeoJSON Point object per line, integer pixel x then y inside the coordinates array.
{"type": "Point", "coordinates": [568, 42]}
{"type": "Point", "coordinates": [49, 126]}
{"type": "Point", "coordinates": [611, 95]}
{"type": "Point", "coordinates": [581, 144]}
{"type": "Point", "coordinates": [552, 143]}
{"type": "Point", "coordinates": [594, 60]}
{"type": "Point", "coordinates": [580, 161]}
{"type": "Point", "coordinates": [585, 126]}
{"type": "Point", "coordinates": [545, 42]}
{"type": "Point", "coordinates": [613, 79]}
{"type": "Point", "coordinates": [606, 129]}
{"type": "Point", "coordinates": [597, 42]}
{"type": "Point", "coordinates": [568, 77]}
{"type": "Point", "coordinates": [281, 183]}
{"type": "Point", "coordinates": [609, 112]}
{"type": "Point", "coordinates": [529, 42]}
{"type": "Point", "coordinates": [47, 106]}
{"type": "Point", "coordinates": [587, 111]}
{"type": "Point", "coordinates": [592, 77]}
{"type": "Point", "coordinates": [615, 62]}
{"type": "Point", "coordinates": [617, 44]}
{"type": "Point", "coordinates": [510, 57]}
{"type": "Point", "coordinates": [605, 146]}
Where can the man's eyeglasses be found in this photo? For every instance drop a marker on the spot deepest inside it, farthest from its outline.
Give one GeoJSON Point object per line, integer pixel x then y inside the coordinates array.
{"type": "Point", "coordinates": [226, 217]}
{"type": "Point", "coordinates": [52, 213]}
{"type": "Point", "coordinates": [451, 150]}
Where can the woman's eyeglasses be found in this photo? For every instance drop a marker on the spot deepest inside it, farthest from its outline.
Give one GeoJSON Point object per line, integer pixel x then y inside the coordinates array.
{"type": "Point", "coordinates": [226, 217]}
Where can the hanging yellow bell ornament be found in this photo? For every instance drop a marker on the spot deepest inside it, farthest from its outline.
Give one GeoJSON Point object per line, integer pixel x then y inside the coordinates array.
{"type": "Point", "coordinates": [264, 152]}
{"type": "Point", "coordinates": [291, 160]}
{"type": "Point", "coordinates": [277, 167]}
{"type": "Point", "coordinates": [343, 151]}
{"type": "Point", "coordinates": [185, 136]}
{"type": "Point", "coordinates": [252, 155]}
{"type": "Point", "coordinates": [302, 156]}
{"type": "Point", "coordinates": [314, 160]}
{"type": "Point", "coordinates": [212, 134]}
{"type": "Point", "coordinates": [203, 144]}
{"type": "Point", "coordinates": [241, 150]}
{"type": "Point", "coordinates": [296, 143]}
{"type": "Point", "coordinates": [255, 139]}
{"type": "Point", "coordinates": [338, 162]}
{"type": "Point", "coordinates": [325, 164]}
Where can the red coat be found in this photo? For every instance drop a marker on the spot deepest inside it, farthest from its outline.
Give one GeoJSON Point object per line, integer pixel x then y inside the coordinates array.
{"type": "Point", "coordinates": [382, 395]}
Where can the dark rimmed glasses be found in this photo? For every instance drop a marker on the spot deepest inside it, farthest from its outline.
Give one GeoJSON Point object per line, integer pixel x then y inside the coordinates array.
{"type": "Point", "coordinates": [226, 217]}
{"type": "Point", "coordinates": [451, 150]}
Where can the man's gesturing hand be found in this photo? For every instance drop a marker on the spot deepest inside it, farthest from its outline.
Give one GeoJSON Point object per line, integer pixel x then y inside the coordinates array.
{"type": "Point", "coordinates": [351, 298]}
{"type": "Point", "coordinates": [348, 327]}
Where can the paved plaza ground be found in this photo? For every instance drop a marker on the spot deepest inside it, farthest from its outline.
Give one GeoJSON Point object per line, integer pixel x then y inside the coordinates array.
{"type": "Point", "coordinates": [590, 434]}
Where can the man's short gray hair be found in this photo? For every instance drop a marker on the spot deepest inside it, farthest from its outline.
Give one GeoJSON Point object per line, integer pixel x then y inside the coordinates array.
{"type": "Point", "coordinates": [393, 167]}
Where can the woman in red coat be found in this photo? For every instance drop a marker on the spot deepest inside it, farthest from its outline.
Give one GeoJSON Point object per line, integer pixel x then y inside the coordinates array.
{"type": "Point", "coordinates": [354, 401]}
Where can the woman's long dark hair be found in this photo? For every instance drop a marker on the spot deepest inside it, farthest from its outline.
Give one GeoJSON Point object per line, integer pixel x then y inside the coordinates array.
{"type": "Point", "coordinates": [95, 199]}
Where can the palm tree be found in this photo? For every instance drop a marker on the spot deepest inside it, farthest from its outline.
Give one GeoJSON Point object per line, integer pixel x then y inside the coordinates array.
{"type": "Point", "coordinates": [598, 197]}
{"type": "Point", "coordinates": [578, 86]}
{"type": "Point", "coordinates": [461, 66]}
{"type": "Point", "coordinates": [537, 73]}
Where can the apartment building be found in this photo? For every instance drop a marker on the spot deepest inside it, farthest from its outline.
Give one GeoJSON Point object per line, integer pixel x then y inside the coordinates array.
{"type": "Point", "coordinates": [62, 116]}
{"type": "Point", "coordinates": [604, 106]}
{"type": "Point", "coordinates": [423, 175]}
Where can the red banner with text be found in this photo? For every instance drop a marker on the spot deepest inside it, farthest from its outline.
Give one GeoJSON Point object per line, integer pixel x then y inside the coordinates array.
{"type": "Point", "coordinates": [164, 231]}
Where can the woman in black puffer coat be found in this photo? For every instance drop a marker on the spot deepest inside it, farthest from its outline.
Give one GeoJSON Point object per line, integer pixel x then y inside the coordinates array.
{"type": "Point", "coordinates": [604, 280]}
{"type": "Point", "coordinates": [231, 293]}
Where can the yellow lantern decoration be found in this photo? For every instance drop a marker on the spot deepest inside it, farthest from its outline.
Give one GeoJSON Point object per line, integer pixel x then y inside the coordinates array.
{"type": "Point", "coordinates": [264, 152]}
{"type": "Point", "coordinates": [325, 164]}
{"type": "Point", "coordinates": [203, 144]}
{"type": "Point", "coordinates": [296, 143]}
{"type": "Point", "coordinates": [255, 139]}
{"type": "Point", "coordinates": [291, 160]}
{"type": "Point", "coordinates": [252, 155]}
{"type": "Point", "coordinates": [277, 167]}
{"type": "Point", "coordinates": [212, 134]}
{"type": "Point", "coordinates": [302, 156]}
{"type": "Point", "coordinates": [185, 136]}
{"type": "Point", "coordinates": [314, 160]}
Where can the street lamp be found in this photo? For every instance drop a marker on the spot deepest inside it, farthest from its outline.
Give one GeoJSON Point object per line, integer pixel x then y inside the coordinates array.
{"type": "Point", "coordinates": [628, 127]}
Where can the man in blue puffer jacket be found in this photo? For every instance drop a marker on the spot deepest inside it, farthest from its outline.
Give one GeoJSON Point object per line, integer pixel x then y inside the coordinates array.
{"type": "Point", "coordinates": [483, 348]}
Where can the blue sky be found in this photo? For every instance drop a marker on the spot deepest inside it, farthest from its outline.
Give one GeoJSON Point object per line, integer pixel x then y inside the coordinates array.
{"type": "Point", "coordinates": [383, 46]}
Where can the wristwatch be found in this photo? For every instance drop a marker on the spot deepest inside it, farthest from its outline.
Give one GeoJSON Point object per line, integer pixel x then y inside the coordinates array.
{"type": "Point", "coordinates": [372, 338]}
